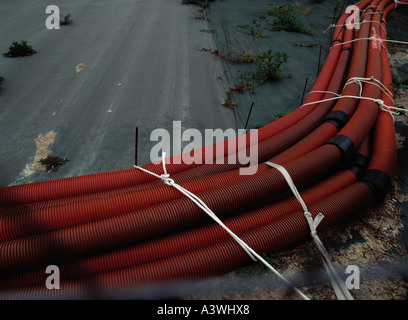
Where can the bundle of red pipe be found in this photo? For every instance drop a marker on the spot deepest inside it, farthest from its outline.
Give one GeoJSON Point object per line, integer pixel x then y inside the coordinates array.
{"type": "Point", "coordinates": [126, 228]}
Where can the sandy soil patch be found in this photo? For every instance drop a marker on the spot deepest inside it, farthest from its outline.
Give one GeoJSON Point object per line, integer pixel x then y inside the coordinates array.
{"type": "Point", "coordinates": [79, 67]}
{"type": "Point", "coordinates": [43, 141]}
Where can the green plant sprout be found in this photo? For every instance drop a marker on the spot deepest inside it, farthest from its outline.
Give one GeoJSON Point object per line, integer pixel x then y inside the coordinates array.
{"type": "Point", "coordinates": [19, 50]}
{"type": "Point", "coordinates": [268, 68]}
{"type": "Point", "coordinates": [66, 20]}
{"type": "Point", "coordinates": [268, 65]}
{"type": "Point", "coordinates": [229, 100]}
{"type": "Point", "coordinates": [285, 17]}
{"type": "Point", "coordinates": [400, 84]}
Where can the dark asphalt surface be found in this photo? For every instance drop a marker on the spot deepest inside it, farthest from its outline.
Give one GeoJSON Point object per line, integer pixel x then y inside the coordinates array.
{"type": "Point", "coordinates": [150, 47]}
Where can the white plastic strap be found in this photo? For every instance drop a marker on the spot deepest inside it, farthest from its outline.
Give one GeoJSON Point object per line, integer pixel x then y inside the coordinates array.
{"type": "Point", "coordinates": [372, 38]}
{"type": "Point", "coordinates": [321, 91]}
{"type": "Point", "coordinates": [165, 177]}
{"type": "Point", "coordinates": [356, 80]}
{"type": "Point", "coordinates": [372, 81]}
{"type": "Point", "coordinates": [356, 24]}
{"type": "Point", "coordinates": [398, 2]}
{"type": "Point", "coordinates": [337, 283]}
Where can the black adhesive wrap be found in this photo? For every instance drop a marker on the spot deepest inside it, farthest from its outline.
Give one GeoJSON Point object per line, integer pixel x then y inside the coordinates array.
{"type": "Point", "coordinates": [361, 161]}
{"type": "Point", "coordinates": [334, 40]}
{"type": "Point", "coordinates": [358, 171]}
{"type": "Point", "coordinates": [379, 182]}
{"type": "Point", "coordinates": [347, 48]}
{"type": "Point", "coordinates": [359, 165]}
{"type": "Point", "coordinates": [345, 145]}
{"type": "Point", "coordinates": [338, 118]}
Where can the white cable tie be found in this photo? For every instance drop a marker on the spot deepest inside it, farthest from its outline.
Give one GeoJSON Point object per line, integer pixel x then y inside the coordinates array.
{"type": "Point", "coordinates": [395, 41]}
{"type": "Point", "coordinates": [165, 177]}
{"type": "Point", "coordinates": [379, 22]}
{"type": "Point", "coordinates": [379, 84]}
{"type": "Point", "coordinates": [321, 91]}
{"type": "Point", "coordinates": [337, 98]}
{"type": "Point", "coordinates": [337, 284]}
{"type": "Point", "coordinates": [398, 2]}
{"type": "Point", "coordinates": [332, 26]}
{"type": "Point", "coordinates": [358, 81]}
{"type": "Point", "coordinates": [373, 39]}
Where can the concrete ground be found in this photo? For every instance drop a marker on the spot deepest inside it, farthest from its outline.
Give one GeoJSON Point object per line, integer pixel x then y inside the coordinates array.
{"type": "Point", "coordinates": [121, 64]}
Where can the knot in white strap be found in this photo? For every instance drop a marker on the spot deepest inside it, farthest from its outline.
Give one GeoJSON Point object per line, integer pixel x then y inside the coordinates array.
{"type": "Point", "coordinates": [313, 223]}
{"type": "Point", "coordinates": [379, 102]}
{"type": "Point", "coordinates": [337, 284]}
{"type": "Point", "coordinates": [165, 177]}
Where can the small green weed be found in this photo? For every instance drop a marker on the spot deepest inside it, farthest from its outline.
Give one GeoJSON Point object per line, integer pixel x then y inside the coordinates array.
{"type": "Point", "coordinates": [207, 31]}
{"type": "Point", "coordinates": [21, 49]}
{"type": "Point", "coordinates": [246, 82]}
{"type": "Point", "coordinates": [229, 100]}
{"type": "Point", "coordinates": [279, 115]}
{"type": "Point", "coordinates": [66, 20]}
{"type": "Point", "coordinates": [268, 65]}
{"type": "Point", "coordinates": [201, 3]}
{"type": "Point", "coordinates": [268, 68]}
{"type": "Point", "coordinates": [400, 84]}
{"type": "Point", "coordinates": [286, 18]}
{"type": "Point", "coordinates": [254, 29]}
{"type": "Point", "coordinates": [53, 163]}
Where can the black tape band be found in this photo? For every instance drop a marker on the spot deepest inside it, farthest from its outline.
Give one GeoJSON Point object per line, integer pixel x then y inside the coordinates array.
{"type": "Point", "coordinates": [378, 181]}
{"type": "Point", "coordinates": [334, 40]}
{"type": "Point", "coordinates": [359, 164]}
{"type": "Point", "coordinates": [345, 145]}
{"type": "Point", "coordinates": [337, 118]}
{"type": "Point", "coordinates": [361, 160]}
{"type": "Point", "coordinates": [347, 48]}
